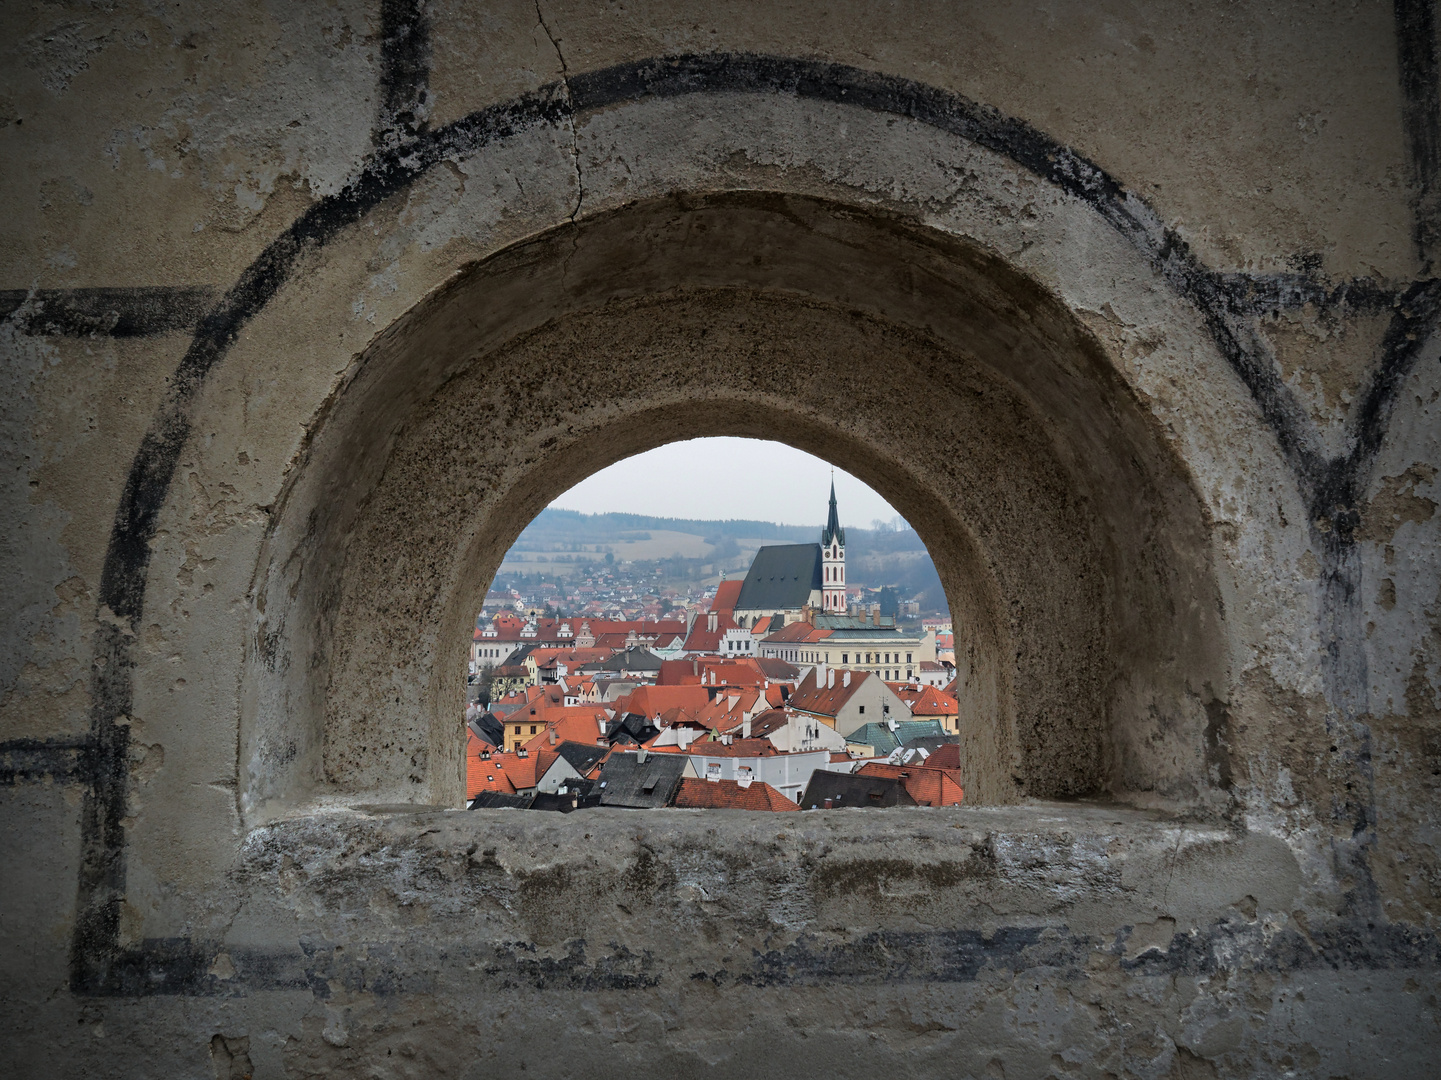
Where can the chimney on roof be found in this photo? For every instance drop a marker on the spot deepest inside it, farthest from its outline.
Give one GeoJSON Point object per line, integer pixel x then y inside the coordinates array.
{"type": "Point", "coordinates": [552, 736]}
{"type": "Point", "coordinates": [711, 621]}
{"type": "Point", "coordinates": [876, 614]}
{"type": "Point", "coordinates": [846, 678]}
{"type": "Point", "coordinates": [830, 679]}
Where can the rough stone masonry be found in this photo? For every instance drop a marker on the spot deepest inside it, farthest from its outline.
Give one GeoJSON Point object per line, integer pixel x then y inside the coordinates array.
{"type": "Point", "coordinates": [1131, 309]}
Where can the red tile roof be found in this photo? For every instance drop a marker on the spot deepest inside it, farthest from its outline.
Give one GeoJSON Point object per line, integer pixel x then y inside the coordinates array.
{"type": "Point", "coordinates": [928, 786]}
{"type": "Point", "coordinates": [505, 773]}
{"type": "Point", "coordinates": [526, 768]}
{"type": "Point", "coordinates": [797, 632]}
{"type": "Point", "coordinates": [651, 701]}
{"type": "Point", "coordinates": [702, 639]}
{"type": "Point", "coordinates": [678, 673]}
{"type": "Point", "coordinates": [826, 700]}
{"type": "Point", "coordinates": [777, 670]}
{"type": "Point", "coordinates": [945, 757]}
{"type": "Point", "coordinates": [726, 595]}
{"type": "Point", "coordinates": [926, 701]}
{"type": "Point", "coordinates": [568, 723]}
{"type": "Point", "coordinates": [730, 795]}
{"type": "Point", "coordinates": [767, 722]}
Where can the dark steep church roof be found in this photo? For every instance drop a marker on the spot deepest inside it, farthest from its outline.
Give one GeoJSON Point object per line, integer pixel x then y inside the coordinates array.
{"type": "Point", "coordinates": [781, 578]}
{"type": "Point", "coordinates": [833, 530]}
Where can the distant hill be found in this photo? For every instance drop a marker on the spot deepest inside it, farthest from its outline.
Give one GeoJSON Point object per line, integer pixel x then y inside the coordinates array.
{"type": "Point", "coordinates": [558, 541]}
{"type": "Point", "coordinates": [552, 526]}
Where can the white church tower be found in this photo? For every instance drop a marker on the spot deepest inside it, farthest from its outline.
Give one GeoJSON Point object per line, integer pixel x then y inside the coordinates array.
{"type": "Point", "coordinates": [833, 562]}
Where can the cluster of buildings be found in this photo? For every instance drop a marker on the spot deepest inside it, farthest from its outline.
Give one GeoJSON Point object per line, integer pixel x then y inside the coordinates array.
{"type": "Point", "coordinates": [607, 594]}
{"type": "Point", "coordinates": [778, 696]}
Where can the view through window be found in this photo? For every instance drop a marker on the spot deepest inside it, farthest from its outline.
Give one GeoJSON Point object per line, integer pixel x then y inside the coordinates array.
{"type": "Point", "coordinates": [718, 623]}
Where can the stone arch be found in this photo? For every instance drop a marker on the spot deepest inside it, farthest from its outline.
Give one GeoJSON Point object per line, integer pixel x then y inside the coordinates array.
{"type": "Point", "coordinates": [1066, 532]}
{"type": "Point", "coordinates": [911, 200]}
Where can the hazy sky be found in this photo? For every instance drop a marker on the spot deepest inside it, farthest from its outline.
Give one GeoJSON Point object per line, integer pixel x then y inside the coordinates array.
{"type": "Point", "coordinates": [727, 478]}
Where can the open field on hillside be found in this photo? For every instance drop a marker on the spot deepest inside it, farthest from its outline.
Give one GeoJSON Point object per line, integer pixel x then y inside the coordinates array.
{"type": "Point", "coordinates": [662, 544]}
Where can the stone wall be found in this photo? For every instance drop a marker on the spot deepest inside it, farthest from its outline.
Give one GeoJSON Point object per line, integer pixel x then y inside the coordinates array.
{"type": "Point", "coordinates": [307, 311]}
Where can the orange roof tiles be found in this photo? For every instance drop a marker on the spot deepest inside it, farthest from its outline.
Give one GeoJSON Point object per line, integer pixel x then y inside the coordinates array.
{"type": "Point", "coordinates": [651, 701]}
{"type": "Point", "coordinates": [567, 723]}
{"type": "Point", "coordinates": [928, 786]}
{"type": "Point", "coordinates": [526, 769]}
{"type": "Point", "coordinates": [926, 700]}
{"type": "Point", "coordinates": [737, 748]}
{"type": "Point", "coordinates": [726, 595]}
{"type": "Point", "coordinates": [484, 774]}
{"type": "Point", "coordinates": [703, 639]}
{"type": "Point", "coordinates": [798, 632]}
{"type": "Point", "coordinates": [947, 756]}
{"type": "Point", "coordinates": [765, 723]}
{"type": "Point", "coordinates": [824, 699]}
{"type": "Point", "coordinates": [730, 795]}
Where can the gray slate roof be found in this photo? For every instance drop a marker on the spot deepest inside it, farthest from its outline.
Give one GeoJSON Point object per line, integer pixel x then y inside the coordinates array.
{"type": "Point", "coordinates": [496, 800]}
{"type": "Point", "coordinates": [637, 785]}
{"type": "Point", "coordinates": [781, 578]}
{"type": "Point", "coordinates": [635, 658]}
{"type": "Point", "coordinates": [581, 756]}
{"type": "Point", "coordinates": [852, 790]}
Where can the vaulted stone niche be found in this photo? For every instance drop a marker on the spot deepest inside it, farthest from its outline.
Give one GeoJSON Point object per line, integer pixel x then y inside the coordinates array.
{"type": "Point", "coordinates": [1064, 528]}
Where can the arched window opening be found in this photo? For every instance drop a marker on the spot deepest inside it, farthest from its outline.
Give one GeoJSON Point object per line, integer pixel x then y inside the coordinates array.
{"type": "Point", "coordinates": [658, 625]}
{"type": "Point", "coordinates": [1072, 546]}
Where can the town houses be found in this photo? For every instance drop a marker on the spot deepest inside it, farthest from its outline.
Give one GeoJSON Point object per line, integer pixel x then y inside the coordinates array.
{"type": "Point", "coordinates": [777, 694]}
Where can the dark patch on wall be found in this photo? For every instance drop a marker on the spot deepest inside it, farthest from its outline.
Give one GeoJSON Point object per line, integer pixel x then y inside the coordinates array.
{"type": "Point", "coordinates": [1217, 739]}
{"type": "Point", "coordinates": [941, 956]}
{"type": "Point", "coordinates": [1421, 117]}
{"type": "Point", "coordinates": [32, 760]}
{"type": "Point", "coordinates": [871, 877]}
{"type": "Point", "coordinates": [404, 72]}
{"type": "Point", "coordinates": [179, 966]}
{"type": "Point", "coordinates": [100, 889]}
{"type": "Point", "coordinates": [142, 311]}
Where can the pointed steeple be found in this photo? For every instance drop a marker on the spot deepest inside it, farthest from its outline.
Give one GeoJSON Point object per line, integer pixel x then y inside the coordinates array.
{"type": "Point", "coordinates": [833, 530]}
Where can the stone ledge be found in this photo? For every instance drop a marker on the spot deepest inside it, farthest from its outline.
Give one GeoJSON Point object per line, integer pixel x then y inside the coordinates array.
{"type": "Point", "coordinates": [403, 899]}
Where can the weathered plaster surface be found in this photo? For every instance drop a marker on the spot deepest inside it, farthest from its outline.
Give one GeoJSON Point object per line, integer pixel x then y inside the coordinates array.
{"type": "Point", "coordinates": [1165, 270]}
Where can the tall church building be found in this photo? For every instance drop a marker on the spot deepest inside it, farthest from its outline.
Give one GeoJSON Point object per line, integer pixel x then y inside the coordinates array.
{"type": "Point", "coordinates": [833, 562]}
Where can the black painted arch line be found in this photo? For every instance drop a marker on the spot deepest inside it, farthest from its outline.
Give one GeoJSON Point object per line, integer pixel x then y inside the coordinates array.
{"type": "Point", "coordinates": [1227, 304]}
{"type": "Point", "coordinates": [1221, 300]}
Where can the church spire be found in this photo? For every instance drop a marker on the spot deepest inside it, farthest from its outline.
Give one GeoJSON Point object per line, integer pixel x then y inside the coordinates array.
{"type": "Point", "coordinates": [833, 530]}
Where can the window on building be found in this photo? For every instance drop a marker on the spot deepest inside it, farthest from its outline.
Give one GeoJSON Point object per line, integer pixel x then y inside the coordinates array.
{"type": "Point", "coordinates": [861, 710]}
